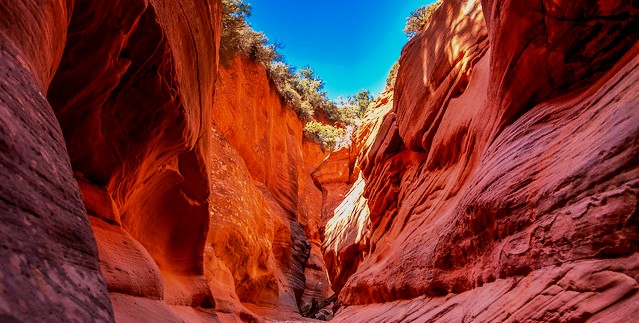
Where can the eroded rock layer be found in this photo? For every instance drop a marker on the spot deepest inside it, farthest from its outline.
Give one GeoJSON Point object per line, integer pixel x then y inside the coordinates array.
{"type": "Point", "coordinates": [497, 182]}
{"type": "Point", "coordinates": [127, 86]}
{"type": "Point", "coordinates": [133, 104]}
{"type": "Point", "coordinates": [502, 185]}
{"type": "Point", "coordinates": [263, 243]}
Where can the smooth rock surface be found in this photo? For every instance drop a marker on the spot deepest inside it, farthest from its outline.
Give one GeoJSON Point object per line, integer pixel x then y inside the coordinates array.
{"type": "Point", "coordinates": [141, 181]}
{"type": "Point", "coordinates": [345, 223]}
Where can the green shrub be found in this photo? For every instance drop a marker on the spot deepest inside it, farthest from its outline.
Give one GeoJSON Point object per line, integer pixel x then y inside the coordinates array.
{"type": "Point", "coordinates": [326, 135]}
{"type": "Point", "coordinates": [362, 101]}
{"type": "Point", "coordinates": [279, 72]}
{"type": "Point", "coordinates": [302, 90]}
{"type": "Point", "coordinates": [418, 18]}
{"type": "Point", "coordinates": [308, 83]}
{"type": "Point", "coordinates": [234, 27]}
{"type": "Point", "coordinates": [332, 112]}
{"type": "Point", "coordinates": [392, 76]}
{"type": "Point", "coordinates": [263, 52]}
{"type": "Point", "coordinates": [306, 111]}
{"type": "Point", "coordinates": [347, 110]}
{"type": "Point", "coordinates": [292, 97]}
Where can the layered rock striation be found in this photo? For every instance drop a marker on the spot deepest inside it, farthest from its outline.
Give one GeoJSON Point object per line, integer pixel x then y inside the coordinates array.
{"type": "Point", "coordinates": [50, 264]}
{"type": "Point", "coordinates": [263, 243]}
{"type": "Point", "coordinates": [502, 184]}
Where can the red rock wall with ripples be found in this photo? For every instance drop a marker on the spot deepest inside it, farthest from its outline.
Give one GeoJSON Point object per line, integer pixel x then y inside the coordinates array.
{"type": "Point", "coordinates": [502, 185]}
{"type": "Point", "coordinates": [141, 181]}
{"type": "Point", "coordinates": [131, 189]}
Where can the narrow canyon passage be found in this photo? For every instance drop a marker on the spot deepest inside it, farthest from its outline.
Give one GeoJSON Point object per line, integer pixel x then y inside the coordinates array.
{"type": "Point", "coordinates": [154, 171]}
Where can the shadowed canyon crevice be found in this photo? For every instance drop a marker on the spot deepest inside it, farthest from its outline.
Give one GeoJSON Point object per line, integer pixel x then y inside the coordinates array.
{"type": "Point", "coordinates": [143, 181]}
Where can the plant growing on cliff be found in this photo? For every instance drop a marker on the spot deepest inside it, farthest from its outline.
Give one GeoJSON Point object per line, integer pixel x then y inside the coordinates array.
{"type": "Point", "coordinates": [238, 36]}
{"type": "Point", "coordinates": [418, 18]}
{"type": "Point", "coordinates": [353, 108]}
{"type": "Point", "coordinates": [326, 135]}
{"type": "Point", "coordinates": [392, 76]}
{"type": "Point", "coordinates": [234, 27]}
{"type": "Point", "coordinates": [315, 100]}
{"type": "Point", "coordinates": [303, 89]}
{"type": "Point", "coordinates": [362, 101]}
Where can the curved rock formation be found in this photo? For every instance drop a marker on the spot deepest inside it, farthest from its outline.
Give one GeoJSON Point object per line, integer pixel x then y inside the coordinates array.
{"type": "Point", "coordinates": [198, 211]}
{"type": "Point", "coordinates": [50, 264]}
{"type": "Point", "coordinates": [131, 84]}
{"type": "Point", "coordinates": [503, 185]}
{"type": "Point", "coordinates": [345, 223]}
{"type": "Point", "coordinates": [140, 182]}
{"type": "Point", "coordinates": [136, 128]}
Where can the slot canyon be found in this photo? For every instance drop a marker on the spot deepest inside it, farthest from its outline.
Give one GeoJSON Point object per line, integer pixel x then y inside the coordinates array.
{"type": "Point", "coordinates": [144, 177]}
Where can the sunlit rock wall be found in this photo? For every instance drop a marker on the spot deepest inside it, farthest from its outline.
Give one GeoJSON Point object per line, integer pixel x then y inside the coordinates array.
{"type": "Point", "coordinates": [263, 243]}
{"type": "Point", "coordinates": [503, 184]}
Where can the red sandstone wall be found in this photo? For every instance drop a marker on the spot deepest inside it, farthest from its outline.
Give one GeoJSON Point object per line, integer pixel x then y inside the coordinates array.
{"type": "Point", "coordinates": [194, 207]}
{"type": "Point", "coordinates": [502, 185]}
{"type": "Point", "coordinates": [49, 258]}
{"type": "Point", "coordinates": [131, 84]}
{"type": "Point", "coordinates": [263, 240]}
{"type": "Point", "coordinates": [498, 183]}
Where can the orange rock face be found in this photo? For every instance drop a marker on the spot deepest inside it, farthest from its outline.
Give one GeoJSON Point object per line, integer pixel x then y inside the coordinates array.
{"type": "Point", "coordinates": [345, 222]}
{"type": "Point", "coordinates": [134, 127]}
{"type": "Point", "coordinates": [502, 185]}
{"type": "Point", "coordinates": [263, 243]}
{"type": "Point", "coordinates": [140, 182]}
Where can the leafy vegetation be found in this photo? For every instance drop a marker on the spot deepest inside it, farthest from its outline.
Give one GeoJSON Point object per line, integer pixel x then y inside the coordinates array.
{"type": "Point", "coordinates": [362, 101]}
{"type": "Point", "coordinates": [302, 89]}
{"type": "Point", "coordinates": [392, 76]}
{"type": "Point", "coordinates": [238, 36]}
{"type": "Point", "coordinates": [327, 135]}
{"type": "Point", "coordinates": [418, 18]}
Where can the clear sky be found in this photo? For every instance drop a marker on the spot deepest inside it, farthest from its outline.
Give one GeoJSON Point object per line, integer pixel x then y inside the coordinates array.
{"type": "Point", "coordinates": [350, 44]}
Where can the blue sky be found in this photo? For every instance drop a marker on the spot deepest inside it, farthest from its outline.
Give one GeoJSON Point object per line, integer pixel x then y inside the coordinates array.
{"type": "Point", "coordinates": [351, 44]}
